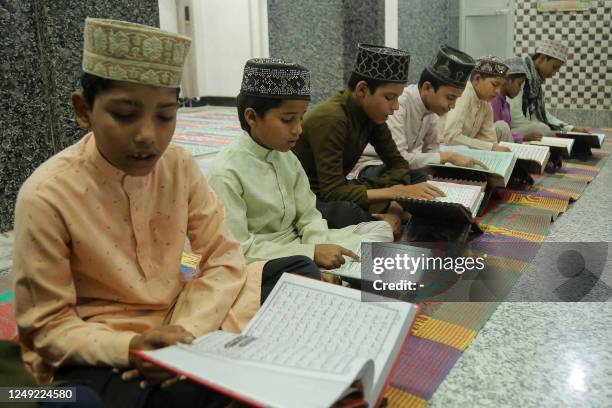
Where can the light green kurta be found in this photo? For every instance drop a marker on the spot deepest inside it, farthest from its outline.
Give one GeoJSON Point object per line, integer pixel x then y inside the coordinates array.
{"type": "Point", "coordinates": [270, 207]}
{"type": "Point", "coordinates": [522, 122]}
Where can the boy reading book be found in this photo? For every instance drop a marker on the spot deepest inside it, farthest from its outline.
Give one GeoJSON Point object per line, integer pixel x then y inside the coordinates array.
{"type": "Point", "coordinates": [100, 228]}
{"type": "Point", "coordinates": [471, 122]}
{"type": "Point", "coordinates": [529, 113]}
{"type": "Point", "coordinates": [501, 109]}
{"type": "Point", "coordinates": [271, 209]}
{"type": "Point", "coordinates": [414, 125]}
{"type": "Point", "coordinates": [337, 131]}
{"type": "Point", "coordinates": [279, 359]}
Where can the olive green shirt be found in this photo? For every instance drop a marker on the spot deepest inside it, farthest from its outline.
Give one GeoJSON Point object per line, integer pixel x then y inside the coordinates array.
{"type": "Point", "coordinates": [335, 134]}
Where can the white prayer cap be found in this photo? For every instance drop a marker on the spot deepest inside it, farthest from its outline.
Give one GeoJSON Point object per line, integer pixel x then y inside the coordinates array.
{"type": "Point", "coordinates": [552, 48]}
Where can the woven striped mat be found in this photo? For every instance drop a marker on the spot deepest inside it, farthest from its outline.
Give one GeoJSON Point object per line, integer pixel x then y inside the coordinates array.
{"type": "Point", "coordinates": [8, 327]}
{"type": "Point", "coordinates": [444, 330]}
{"type": "Point", "coordinates": [208, 131]}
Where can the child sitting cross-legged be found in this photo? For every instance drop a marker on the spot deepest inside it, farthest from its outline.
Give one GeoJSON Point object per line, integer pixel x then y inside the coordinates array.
{"type": "Point", "coordinates": [271, 209]}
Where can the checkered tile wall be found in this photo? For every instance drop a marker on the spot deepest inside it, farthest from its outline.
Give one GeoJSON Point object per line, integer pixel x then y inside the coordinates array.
{"type": "Point", "coordinates": [585, 82]}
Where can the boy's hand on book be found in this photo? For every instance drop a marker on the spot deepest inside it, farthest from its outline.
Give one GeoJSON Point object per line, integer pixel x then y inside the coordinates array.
{"type": "Point", "coordinates": [422, 190]}
{"type": "Point", "coordinates": [150, 340]}
{"type": "Point", "coordinates": [580, 129]}
{"type": "Point", "coordinates": [532, 137]}
{"type": "Point", "coordinates": [499, 148]}
{"type": "Point", "coordinates": [331, 256]}
{"type": "Point", "coordinates": [392, 219]}
{"type": "Point", "coordinates": [461, 160]}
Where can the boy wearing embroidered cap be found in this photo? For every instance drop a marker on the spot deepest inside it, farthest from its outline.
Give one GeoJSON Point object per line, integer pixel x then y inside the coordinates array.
{"type": "Point", "coordinates": [501, 109]}
{"type": "Point", "coordinates": [529, 113]}
{"type": "Point", "coordinates": [471, 122]}
{"type": "Point", "coordinates": [100, 228]}
{"type": "Point", "coordinates": [271, 209]}
{"type": "Point", "coordinates": [413, 125]}
{"type": "Point", "coordinates": [337, 131]}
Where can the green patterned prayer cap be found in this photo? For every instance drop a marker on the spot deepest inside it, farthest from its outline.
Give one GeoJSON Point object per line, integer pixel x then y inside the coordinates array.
{"type": "Point", "coordinates": [131, 52]}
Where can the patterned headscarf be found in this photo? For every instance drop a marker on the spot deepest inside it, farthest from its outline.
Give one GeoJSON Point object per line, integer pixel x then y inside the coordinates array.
{"type": "Point", "coordinates": [533, 96]}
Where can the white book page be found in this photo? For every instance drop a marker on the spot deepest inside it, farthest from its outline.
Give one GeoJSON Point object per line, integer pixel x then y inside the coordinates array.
{"type": "Point", "coordinates": [464, 194]}
{"type": "Point", "coordinates": [256, 383]}
{"type": "Point", "coordinates": [478, 204]}
{"type": "Point", "coordinates": [309, 360]}
{"type": "Point", "coordinates": [528, 152]}
{"type": "Point", "coordinates": [600, 136]}
{"type": "Point", "coordinates": [499, 163]}
{"type": "Point", "coordinates": [302, 312]}
{"type": "Point", "coordinates": [555, 141]}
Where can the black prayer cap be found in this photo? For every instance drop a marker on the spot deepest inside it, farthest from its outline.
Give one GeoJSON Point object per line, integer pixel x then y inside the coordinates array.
{"type": "Point", "coordinates": [275, 78]}
{"type": "Point", "coordinates": [451, 66]}
{"type": "Point", "coordinates": [382, 63]}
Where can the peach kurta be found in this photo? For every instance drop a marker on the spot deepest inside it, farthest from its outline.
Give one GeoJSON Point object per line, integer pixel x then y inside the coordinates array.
{"type": "Point", "coordinates": [97, 255]}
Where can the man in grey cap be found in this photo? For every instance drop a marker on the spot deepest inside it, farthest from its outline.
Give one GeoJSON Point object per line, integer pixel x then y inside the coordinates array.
{"type": "Point", "coordinates": [529, 113]}
{"type": "Point", "coordinates": [501, 109]}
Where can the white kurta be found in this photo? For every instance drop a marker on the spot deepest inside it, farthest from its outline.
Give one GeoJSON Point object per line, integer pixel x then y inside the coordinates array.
{"type": "Point", "coordinates": [414, 131]}
{"type": "Point", "coordinates": [470, 123]}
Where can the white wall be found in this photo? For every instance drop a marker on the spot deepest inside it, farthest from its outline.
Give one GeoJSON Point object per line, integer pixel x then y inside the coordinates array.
{"type": "Point", "coordinates": [167, 15]}
{"type": "Point", "coordinates": [486, 27]}
{"type": "Point", "coordinates": [391, 23]}
{"type": "Point", "coordinates": [226, 34]}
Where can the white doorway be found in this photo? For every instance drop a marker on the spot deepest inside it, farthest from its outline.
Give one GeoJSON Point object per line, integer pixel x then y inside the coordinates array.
{"type": "Point", "coordinates": [487, 27]}
{"type": "Point", "coordinates": [225, 34]}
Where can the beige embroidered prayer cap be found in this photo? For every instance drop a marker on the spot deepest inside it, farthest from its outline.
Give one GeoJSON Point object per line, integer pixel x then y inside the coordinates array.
{"type": "Point", "coordinates": [132, 52]}
{"type": "Point", "coordinates": [555, 49]}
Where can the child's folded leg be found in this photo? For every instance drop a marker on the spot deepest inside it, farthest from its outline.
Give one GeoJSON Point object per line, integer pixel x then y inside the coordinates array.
{"type": "Point", "coordinates": [502, 131]}
{"type": "Point", "coordinates": [340, 214]}
{"type": "Point", "coordinates": [273, 270]}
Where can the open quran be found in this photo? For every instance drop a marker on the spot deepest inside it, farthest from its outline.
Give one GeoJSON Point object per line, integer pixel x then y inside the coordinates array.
{"type": "Point", "coordinates": [594, 140]}
{"type": "Point", "coordinates": [533, 158]}
{"type": "Point", "coordinates": [455, 212]}
{"type": "Point", "coordinates": [309, 345]}
{"type": "Point", "coordinates": [499, 166]}
{"type": "Point", "coordinates": [562, 145]}
{"type": "Point", "coordinates": [467, 198]}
